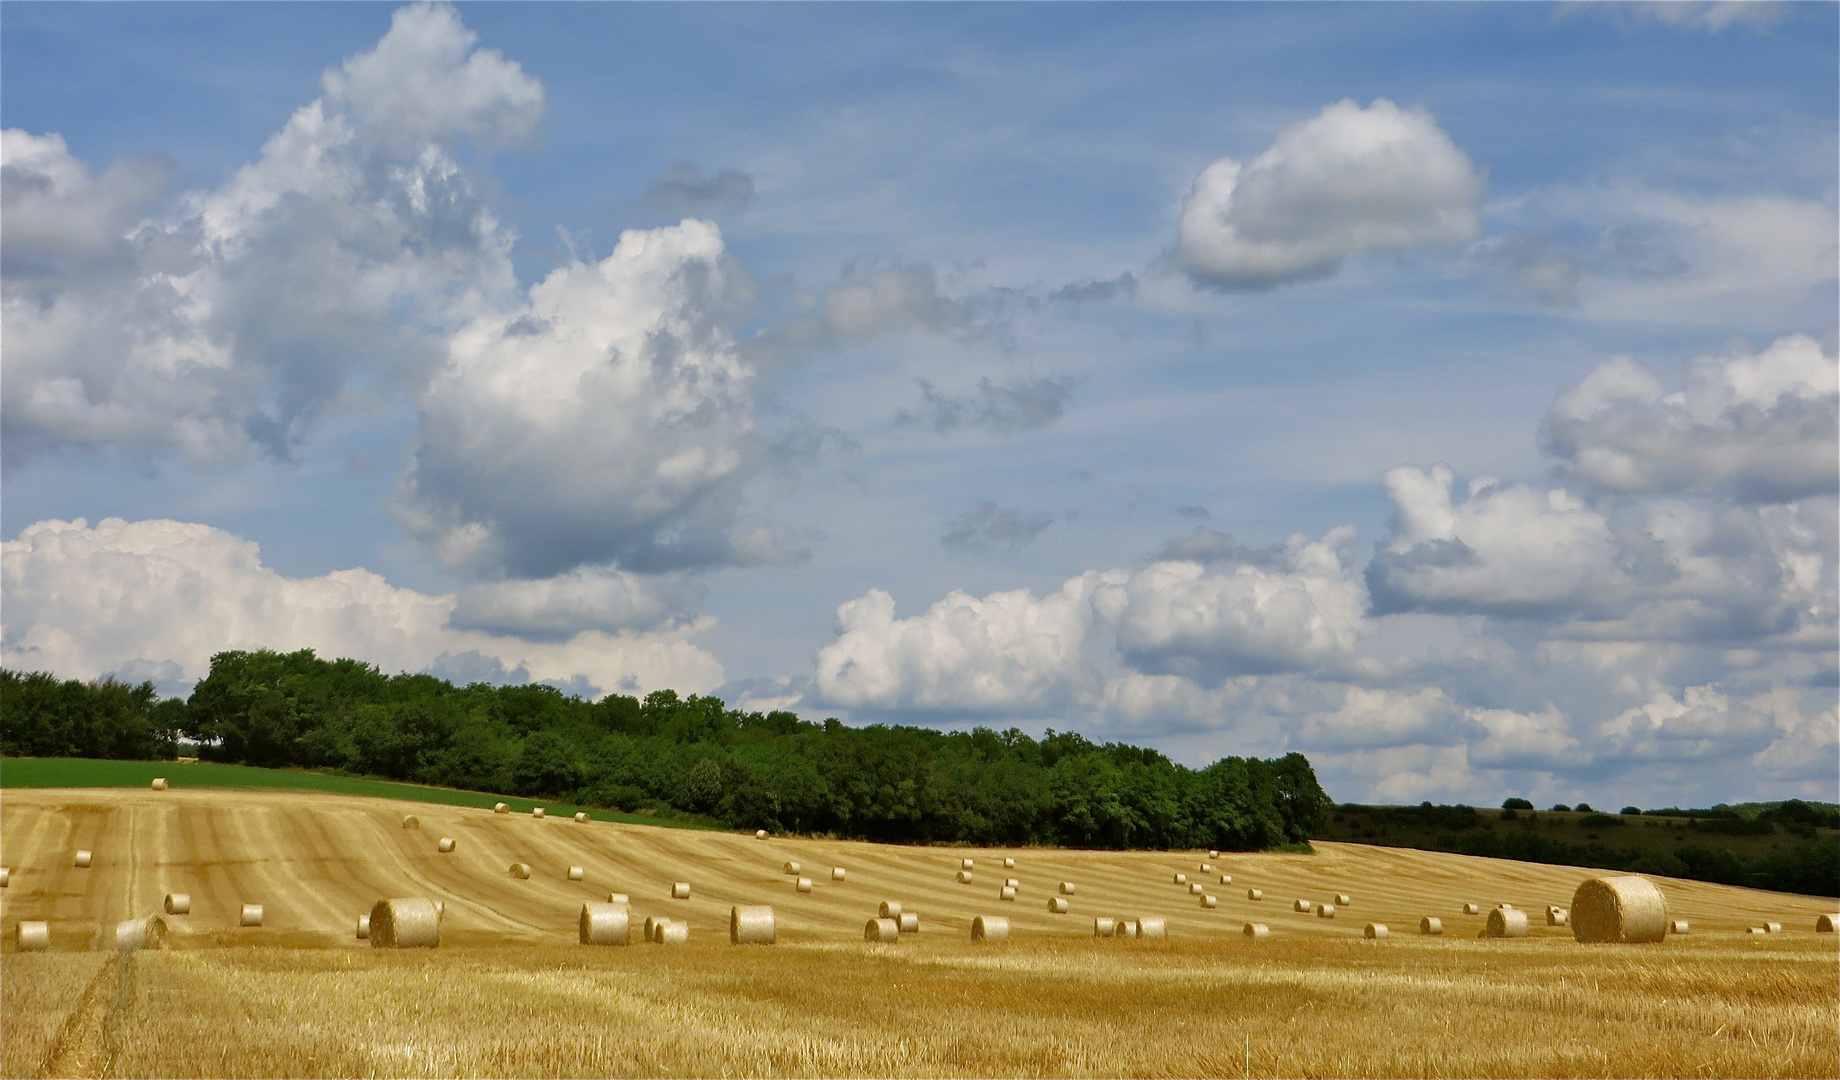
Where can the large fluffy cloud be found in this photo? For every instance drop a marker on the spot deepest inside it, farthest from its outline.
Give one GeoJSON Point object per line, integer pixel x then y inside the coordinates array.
{"type": "Point", "coordinates": [158, 598]}
{"type": "Point", "coordinates": [234, 320]}
{"type": "Point", "coordinates": [1349, 181]}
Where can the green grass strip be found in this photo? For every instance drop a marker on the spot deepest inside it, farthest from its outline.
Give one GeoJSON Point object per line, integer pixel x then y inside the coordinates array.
{"type": "Point", "coordinates": [94, 772]}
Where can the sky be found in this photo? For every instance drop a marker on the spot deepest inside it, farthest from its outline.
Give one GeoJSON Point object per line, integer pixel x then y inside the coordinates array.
{"type": "Point", "coordinates": [1444, 391]}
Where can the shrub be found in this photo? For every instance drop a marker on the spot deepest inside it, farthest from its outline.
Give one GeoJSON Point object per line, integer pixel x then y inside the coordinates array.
{"type": "Point", "coordinates": [1516, 804]}
{"type": "Point", "coordinates": [1631, 810]}
{"type": "Point", "coordinates": [1561, 808]}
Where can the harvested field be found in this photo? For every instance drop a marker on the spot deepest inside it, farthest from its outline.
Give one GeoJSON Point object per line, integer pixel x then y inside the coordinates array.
{"type": "Point", "coordinates": [1315, 998]}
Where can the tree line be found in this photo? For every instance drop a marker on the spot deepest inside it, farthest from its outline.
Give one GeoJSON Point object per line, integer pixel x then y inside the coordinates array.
{"type": "Point", "coordinates": [690, 757]}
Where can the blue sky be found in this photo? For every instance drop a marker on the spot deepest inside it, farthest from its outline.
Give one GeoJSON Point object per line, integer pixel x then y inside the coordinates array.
{"type": "Point", "coordinates": [1445, 391]}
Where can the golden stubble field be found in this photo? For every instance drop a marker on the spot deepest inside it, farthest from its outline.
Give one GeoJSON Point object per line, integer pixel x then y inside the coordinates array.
{"type": "Point", "coordinates": [509, 994]}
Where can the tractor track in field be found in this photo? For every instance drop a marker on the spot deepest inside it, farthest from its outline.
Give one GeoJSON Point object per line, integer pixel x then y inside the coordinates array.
{"type": "Point", "coordinates": [85, 1045]}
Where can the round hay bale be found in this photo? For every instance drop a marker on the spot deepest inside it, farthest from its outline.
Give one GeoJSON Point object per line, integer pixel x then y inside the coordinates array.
{"type": "Point", "coordinates": [1007, 892]}
{"type": "Point", "coordinates": [966, 864]}
{"type": "Point", "coordinates": [618, 898]}
{"type": "Point", "coordinates": [1301, 905]}
{"type": "Point", "coordinates": [890, 909]}
{"type": "Point", "coordinates": [1209, 901]}
{"type": "Point", "coordinates": [1374, 930]}
{"type": "Point", "coordinates": [177, 903]}
{"type": "Point", "coordinates": [1058, 905]}
{"type": "Point", "coordinates": [251, 915]}
{"type": "Point", "coordinates": [1195, 888]}
{"type": "Point", "coordinates": [1342, 899]}
{"type": "Point", "coordinates": [501, 808]}
{"type": "Point", "coordinates": [1213, 854]}
{"type": "Point", "coordinates": [32, 937]}
{"type": "Point", "coordinates": [1181, 879]}
{"type": "Point", "coordinates": [1009, 864]}
{"type": "Point", "coordinates": [1772, 928]}
{"type": "Point", "coordinates": [446, 845]}
{"type": "Point", "coordinates": [1226, 879]}
{"type": "Point", "coordinates": [750, 924]}
{"type": "Point", "coordinates": [1471, 909]}
{"type": "Point", "coordinates": [581, 817]}
{"type": "Point", "coordinates": [5, 874]}
{"type": "Point", "coordinates": [143, 933]}
{"type": "Point", "coordinates": [909, 922]}
{"type": "Point", "coordinates": [364, 927]}
{"type": "Point", "coordinates": [1152, 928]}
{"type": "Point", "coordinates": [1430, 924]}
{"type": "Point", "coordinates": [802, 885]}
{"type": "Point", "coordinates": [1126, 928]}
{"type": "Point", "coordinates": [1558, 917]}
{"type": "Point", "coordinates": [1506, 922]}
{"type": "Point", "coordinates": [576, 873]}
{"type": "Point", "coordinates": [1255, 894]}
{"type": "Point", "coordinates": [1825, 924]}
{"type": "Point", "coordinates": [1068, 888]}
{"type": "Point", "coordinates": [1257, 931]}
{"type": "Point", "coordinates": [790, 867]}
{"type": "Point", "coordinates": [964, 877]}
{"type": "Point", "coordinates": [1756, 930]}
{"type": "Point", "coordinates": [671, 932]}
{"type": "Point", "coordinates": [760, 834]}
{"type": "Point", "coordinates": [1104, 927]}
{"type": "Point", "coordinates": [520, 870]}
{"type": "Point", "coordinates": [1014, 883]}
{"type": "Point", "coordinates": [651, 927]}
{"type": "Point", "coordinates": [605, 924]}
{"type": "Point", "coordinates": [989, 928]}
{"type": "Point", "coordinates": [1678, 926]}
{"type": "Point", "coordinates": [680, 890]}
{"type": "Point", "coordinates": [1207, 868]}
{"type": "Point", "coordinates": [882, 930]}
{"type": "Point", "coordinates": [1325, 911]}
{"type": "Point", "coordinates": [536, 811]}
{"type": "Point", "coordinates": [405, 922]}
{"type": "Point", "coordinates": [159, 783]}
{"type": "Point", "coordinates": [1627, 908]}
{"type": "Point", "coordinates": [83, 859]}
{"type": "Point", "coordinates": [410, 821]}
{"type": "Point", "coordinates": [838, 873]}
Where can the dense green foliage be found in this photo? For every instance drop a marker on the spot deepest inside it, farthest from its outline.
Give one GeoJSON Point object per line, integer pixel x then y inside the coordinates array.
{"type": "Point", "coordinates": [42, 717]}
{"type": "Point", "coordinates": [743, 769]}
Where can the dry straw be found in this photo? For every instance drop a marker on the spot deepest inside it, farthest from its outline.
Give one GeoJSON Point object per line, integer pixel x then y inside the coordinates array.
{"type": "Point", "coordinates": [520, 870]}
{"type": "Point", "coordinates": [1678, 926]}
{"type": "Point", "coordinates": [1430, 925]}
{"type": "Point", "coordinates": [5, 874]}
{"type": "Point", "coordinates": [1325, 911]}
{"type": "Point", "coordinates": [680, 890]}
{"type": "Point", "coordinates": [1471, 909]}
{"type": "Point", "coordinates": [536, 811]}
{"type": "Point", "coordinates": [1181, 879]}
{"type": "Point", "coordinates": [159, 783]}
{"type": "Point", "coordinates": [446, 844]}
{"type": "Point", "coordinates": [1067, 888]}
{"type": "Point", "coordinates": [1506, 922]}
{"type": "Point", "coordinates": [1009, 864]}
{"type": "Point", "coordinates": [1255, 894]}
{"type": "Point", "coordinates": [1226, 879]}
{"type": "Point", "coordinates": [177, 903]}
{"type": "Point", "coordinates": [989, 928]}
{"type": "Point", "coordinates": [909, 922]}
{"type": "Point", "coordinates": [670, 932]}
{"type": "Point", "coordinates": [1342, 899]}
{"type": "Point", "coordinates": [1195, 888]}
{"type": "Point", "coordinates": [1627, 908]}
{"type": "Point", "coordinates": [790, 868]}
{"type": "Point", "coordinates": [618, 898]}
{"type": "Point", "coordinates": [32, 937]}
{"type": "Point", "coordinates": [1825, 924]}
{"type": "Point", "coordinates": [1207, 868]}
{"type": "Point", "coordinates": [581, 817]}
{"type": "Point", "coordinates": [838, 873]}
{"type": "Point", "coordinates": [651, 926]}
{"type": "Point", "coordinates": [1152, 928]}
{"type": "Point", "coordinates": [251, 915]}
{"type": "Point", "coordinates": [501, 808]}
{"type": "Point", "coordinates": [1772, 928]}
{"type": "Point", "coordinates": [364, 927]}
{"type": "Point", "coordinates": [881, 930]}
{"type": "Point", "coordinates": [802, 885]}
{"type": "Point", "coordinates": [890, 909]}
{"type": "Point", "coordinates": [1104, 927]}
{"type": "Point", "coordinates": [83, 859]}
{"type": "Point", "coordinates": [143, 933]}
{"type": "Point", "coordinates": [760, 834]}
{"type": "Point", "coordinates": [1257, 931]}
{"type": "Point", "coordinates": [605, 924]}
{"type": "Point", "coordinates": [1301, 905]}
{"type": "Point", "coordinates": [410, 821]}
{"type": "Point", "coordinates": [1058, 905]}
{"type": "Point", "coordinates": [966, 864]}
{"type": "Point", "coordinates": [1125, 928]}
{"type": "Point", "coordinates": [750, 924]}
{"type": "Point", "coordinates": [405, 922]}
{"type": "Point", "coordinates": [1209, 901]}
{"type": "Point", "coordinates": [964, 877]}
{"type": "Point", "coordinates": [576, 873]}
{"type": "Point", "coordinates": [440, 907]}
{"type": "Point", "coordinates": [1558, 917]}
{"type": "Point", "coordinates": [1007, 892]}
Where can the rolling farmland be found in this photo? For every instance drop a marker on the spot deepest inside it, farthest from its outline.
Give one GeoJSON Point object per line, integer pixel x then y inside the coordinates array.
{"type": "Point", "coordinates": [510, 993]}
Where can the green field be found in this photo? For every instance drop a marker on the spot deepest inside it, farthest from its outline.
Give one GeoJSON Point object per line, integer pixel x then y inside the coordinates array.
{"type": "Point", "coordinates": [92, 772]}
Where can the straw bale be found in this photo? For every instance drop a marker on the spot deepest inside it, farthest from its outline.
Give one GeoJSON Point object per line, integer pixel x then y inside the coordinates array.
{"type": "Point", "coordinates": [1558, 917]}
{"type": "Point", "coordinates": [618, 898]}
{"type": "Point", "coordinates": [501, 808]}
{"type": "Point", "coordinates": [410, 821]}
{"type": "Point", "coordinates": [882, 930]}
{"type": "Point", "coordinates": [750, 924]}
{"type": "Point", "coordinates": [177, 903]}
{"type": "Point", "coordinates": [838, 873]}
{"type": "Point", "coordinates": [1007, 892]}
{"type": "Point", "coordinates": [1757, 930]}
{"type": "Point", "coordinates": [536, 811]}
{"type": "Point", "coordinates": [1626, 908]}
{"type": "Point", "coordinates": [1342, 899]}
{"type": "Point", "coordinates": [440, 907]}
{"type": "Point", "coordinates": [5, 874]}
{"type": "Point", "coordinates": [790, 868]}
{"type": "Point", "coordinates": [1772, 928]}
{"type": "Point", "coordinates": [989, 928]}
{"type": "Point", "coordinates": [1104, 927]}
{"type": "Point", "coordinates": [159, 783]}
{"type": "Point", "coordinates": [1125, 928]}
{"type": "Point", "coordinates": [1209, 901]}
{"type": "Point", "coordinates": [909, 922]}
{"type": "Point", "coordinates": [1009, 864]}
{"type": "Point", "coordinates": [1195, 888]}
{"type": "Point", "coordinates": [576, 873]}
{"type": "Point", "coordinates": [581, 817]}
{"type": "Point", "coordinates": [651, 926]}
{"type": "Point", "coordinates": [1678, 926]}
{"type": "Point", "coordinates": [251, 915]}
{"type": "Point", "coordinates": [1206, 868]}
{"type": "Point", "coordinates": [143, 933]}
{"type": "Point", "coordinates": [1825, 924]}
{"type": "Point", "coordinates": [1213, 854]}
{"type": "Point", "coordinates": [520, 870]}
{"type": "Point", "coordinates": [670, 932]}
{"type": "Point", "coordinates": [446, 845]}
{"type": "Point", "coordinates": [1257, 931]}
{"type": "Point", "coordinates": [1152, 928]}
{"type": "Point", "coordinates": [1471, 909]}
{"type": "Point", "coordinates": [1506, 922]}
{"type": "Point", "coordinates": [1014, 883]}
{"type": "Point", "coordinates": [1058, 905]}
{"type": "Point", "coordinates": [964, 877]}
{"type": "Point", "coordinates": [890, 909]}
{"type": "Point", "coordinates": [83, 859]}
{"type": "Point", "coordinates": [605, 924]}
{"type": "Point", "coordinates": [1067, 888]}
{"type": "Point", "coordinates": [1301, 905]}
{"type": "Point", "coordinates": [760, 834]}
{"type": "Point", "coordinates": [1431, 924]}
{"type": "Point", "coordinates": [405, 922]}
{"type": "Point", "coordinates": [32, 937]}
{"type": "Point", "coordinates": [680, 890]}
{"type": "Point", "coordinates": [364, 927]}
{"type": "Point", "coordinates": [802, 885]}
{"type": "Point", "coordinates": [1226, 879]}
{"type": "Point", "coordinates": [1374, 930]}
{"type": "Point", "coordinates": [1181, 879]}
{"type": "Point", "coordinates": [1325, 911]}
{"type": "Point", "coordinates": [966, 864]}
{"type": "Point", "coordinates": [1255, 894]}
